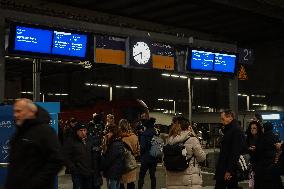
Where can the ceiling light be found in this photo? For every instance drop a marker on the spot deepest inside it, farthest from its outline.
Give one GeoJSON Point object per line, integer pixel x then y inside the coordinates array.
{"type": "Point", "coordinates": [176, 76]}
{"type": "Point", "coordinates": [166, 75]}
{"type": "Point", "coordinates": [183, 77]}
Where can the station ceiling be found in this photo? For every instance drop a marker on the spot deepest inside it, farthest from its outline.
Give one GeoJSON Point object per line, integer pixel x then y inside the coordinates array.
{"type": "Point", "coordinates": [241, 21]}
{"type": "Point", "coordinates": [257, 24]}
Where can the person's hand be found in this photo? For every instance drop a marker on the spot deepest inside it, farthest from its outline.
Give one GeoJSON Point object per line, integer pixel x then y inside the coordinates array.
{"type": "Point", "coordinates": [278, 146]}
{"type": "Point", "coordinates": [252, 148]}
{"type": "Point", "coordinates": [227, 176]}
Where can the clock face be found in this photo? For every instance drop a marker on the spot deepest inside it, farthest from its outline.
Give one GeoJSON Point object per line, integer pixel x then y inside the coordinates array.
{"type": "Point", "coordinates": [141, 53]}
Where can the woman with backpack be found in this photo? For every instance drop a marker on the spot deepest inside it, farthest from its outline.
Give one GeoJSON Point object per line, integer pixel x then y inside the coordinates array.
{"type": "Point", "coordinates": [131, 140]}
{"type": "Point", "coordinates": [191, 177]}
{"type": "Point", "coordinates": [113, 159]}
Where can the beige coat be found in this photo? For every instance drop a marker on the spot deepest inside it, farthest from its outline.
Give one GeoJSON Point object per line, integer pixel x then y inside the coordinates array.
{"type": "Point", "coordinates": [132, 141]}
{"type": "Point", "coordinates": [191, 178]}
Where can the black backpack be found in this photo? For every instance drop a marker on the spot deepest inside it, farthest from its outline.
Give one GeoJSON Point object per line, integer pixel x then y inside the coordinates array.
{"type": "Point", "coordinates": [175, 157]}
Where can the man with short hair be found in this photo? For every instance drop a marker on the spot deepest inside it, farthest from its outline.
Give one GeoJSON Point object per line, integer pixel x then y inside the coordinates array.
{"type": "Point", "coordinates": [231, 148]}
{"type": "Point", "coordinates": [34, 156]}
{"type": "Point", "coordinates": [148, 162]}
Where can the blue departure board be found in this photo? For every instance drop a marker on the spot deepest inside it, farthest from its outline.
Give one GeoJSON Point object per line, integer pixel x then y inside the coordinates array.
{"type": "Point", "coordinates": [202, 60]}
{"type": "Point", "coordinates": [48, 42]}
{"type": "Point", "coordinates": [69, 44]}
{"type": "Point", "coordinates": [207, 61]}
{"type": "Point", "coordinates": [224, 63]}
{"type": "Point", "coordinates": [33, 40]}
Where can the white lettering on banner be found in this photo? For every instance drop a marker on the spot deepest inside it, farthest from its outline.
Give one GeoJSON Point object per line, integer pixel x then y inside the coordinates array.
{"type": "Point", "coordinates": [5, 149]}
{"type": "Point", "coordinates": [6, 124]}
{"type": "Point", "coordinates": [52, 122]}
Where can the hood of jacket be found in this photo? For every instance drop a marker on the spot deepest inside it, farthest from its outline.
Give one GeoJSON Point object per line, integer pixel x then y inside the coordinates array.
{"type": "Point", "coordinates": [41, 117]}
{"type": "Point", "coordinates": [179, 138]}
{"type": "Point", "coordinates": [149, 132]}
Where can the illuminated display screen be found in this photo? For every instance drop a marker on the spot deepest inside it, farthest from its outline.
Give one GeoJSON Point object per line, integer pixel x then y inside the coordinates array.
{"type": "Point", "coordinates": [48, 42]}
{"type": "Point", "coordinates": [211, 62]}
{"type": "Point", "coordinates": [110, 50]}
{"type": "Point", "coordinates": [33, 40]}
{"type": "Point", "coordinates": [224, 63]}
{"type": "Point", "coordinates": [201, 60]}
{"type": "Point", "coordinates": [163, 56]}
{"type": "Point", "coordinates": [69, 44]}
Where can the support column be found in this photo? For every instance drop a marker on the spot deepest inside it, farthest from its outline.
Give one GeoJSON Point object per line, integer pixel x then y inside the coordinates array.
{"type": "Point", "coordinates": [233, 95]}
{"type": "Point", "coordinates": [189, 100]}
{"type": "Point", "coordinates": [110, 93]}
{"type": "Point", "coordinates": [174, 107]}
{"type": "Point", "coordinates": [248, 102]}
{"type": "Point", "coordinates": [2, 59]}
{"type": "Point", "coordinates": [36, 80]}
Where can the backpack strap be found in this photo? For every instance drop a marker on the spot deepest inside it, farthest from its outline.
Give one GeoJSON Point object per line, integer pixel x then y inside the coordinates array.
{"type": "Point", "coordinates": [185, 140]}
{"type": "Point", "coordinates": [128, 147]}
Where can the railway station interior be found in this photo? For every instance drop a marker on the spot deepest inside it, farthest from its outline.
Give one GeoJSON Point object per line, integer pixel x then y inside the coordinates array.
{"type": "Point", "coordinates": [127, 57]}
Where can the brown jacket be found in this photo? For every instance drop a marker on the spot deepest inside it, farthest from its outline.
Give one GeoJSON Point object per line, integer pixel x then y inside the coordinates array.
{"type": "Point", "coordinates": [191, 178]}
{"type": "Point", "coordinates": [132, 141]}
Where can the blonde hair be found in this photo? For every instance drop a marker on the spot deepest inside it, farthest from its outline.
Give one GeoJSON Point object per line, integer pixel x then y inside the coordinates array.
{"type": "Point", "coordinates": [180, 124]}
{"type": "Point", "coordinates": [175, 130]}
{"type": "Point", "coordinates": [124, 125]}
{"type": "Point", "coordinates": [28, 103]}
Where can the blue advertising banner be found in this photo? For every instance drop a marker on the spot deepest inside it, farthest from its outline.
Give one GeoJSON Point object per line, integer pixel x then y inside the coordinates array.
{"type": "Point", "coordinates": [53, 108]}
{"type": "Point", "coordinates": [6, 130]}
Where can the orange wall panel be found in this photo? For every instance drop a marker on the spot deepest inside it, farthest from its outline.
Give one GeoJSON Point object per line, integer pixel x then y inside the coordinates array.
{"type": "Point", "coordinates": [110, 56]}
{"type": "Point", "coordinates": [163, 62]}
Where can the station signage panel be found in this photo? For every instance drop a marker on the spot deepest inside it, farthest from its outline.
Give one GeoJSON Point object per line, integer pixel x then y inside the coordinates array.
{"type": "Point", "coordinates": [48, 42]}
{"type": "Point", "coordinates": [110, 50]}
{"type": "Point", "coordinates": [211, 62]}
{"type": "Point", "coordinates": [144, 53]}
{"type": "Point", "coordinates": [140, 53]}
{"type": "Point", "coordinates": [246, 56]}
{"type": "Point", "coordinates": [163, 56]}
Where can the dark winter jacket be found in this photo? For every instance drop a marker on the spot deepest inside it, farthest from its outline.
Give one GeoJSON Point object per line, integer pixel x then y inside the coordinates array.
{"type": "Point", "coordinates": [35, 157]}
{"type": "Point", "coordinates": [112, 163]}
{"type": "Point", "coordinates": [232, 145]}
{"type": "Point", "coordinates": [78, 156]}
{"type": "Point", "coordinates": [267, 174]}
{"type": "Point", "coordinates": [265, 149]}
{"type": "Point", "coordinates": [145, 140]}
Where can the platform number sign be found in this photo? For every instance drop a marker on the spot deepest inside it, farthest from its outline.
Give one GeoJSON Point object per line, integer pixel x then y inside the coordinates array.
{"type": "Point", "coordinates": [246, 56]}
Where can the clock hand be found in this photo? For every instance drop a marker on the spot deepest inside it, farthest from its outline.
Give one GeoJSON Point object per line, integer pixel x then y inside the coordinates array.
{"type": "Point", "coordinates": [138, 54]}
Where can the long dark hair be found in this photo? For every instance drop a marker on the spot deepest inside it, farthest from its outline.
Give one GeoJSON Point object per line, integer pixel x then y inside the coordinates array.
{"type": "Point", "coordinates": [116, 132]}
{"type": "Point", "coordinates": [259, 129]}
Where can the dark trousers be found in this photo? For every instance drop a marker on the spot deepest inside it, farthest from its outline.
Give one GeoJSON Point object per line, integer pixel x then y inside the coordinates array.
{"type": "Point", "coordinates": [81, 181]}
{"type": "Point", "coordinates": [151, 165]}
{"type": "Point", "coordinates": [130, 185]}
{"type": "Point", "coordinates": [222, 184]}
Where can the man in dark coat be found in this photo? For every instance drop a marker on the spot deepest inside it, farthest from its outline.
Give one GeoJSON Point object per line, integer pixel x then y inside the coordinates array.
{"type": "Point", "coordinates": [231, 147]}
{"type": "Point", "coordinates": [267, 174]}
{"type": "Point", "coordinates": [34, 158]}
{"type": "Point", "coordinates": [79, 154]}
{"type": "Point", "coordinates": [147, 161]}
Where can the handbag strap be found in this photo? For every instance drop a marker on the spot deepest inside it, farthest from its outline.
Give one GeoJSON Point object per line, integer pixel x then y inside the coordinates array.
{"type": "Point", "coordinates": [128, 148]}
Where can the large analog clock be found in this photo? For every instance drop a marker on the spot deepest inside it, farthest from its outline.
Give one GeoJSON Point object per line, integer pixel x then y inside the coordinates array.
{"type": "Point", "coordinates": [141, 52]}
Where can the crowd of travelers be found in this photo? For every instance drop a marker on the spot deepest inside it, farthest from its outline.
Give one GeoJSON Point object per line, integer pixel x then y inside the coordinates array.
{"type": "Point", "coordinates": [109, 149]}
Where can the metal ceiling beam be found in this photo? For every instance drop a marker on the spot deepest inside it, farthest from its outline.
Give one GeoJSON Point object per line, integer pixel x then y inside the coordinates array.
{"type": "Point", "coordinates": [112, 30]}
{"type": "Point", "coordinates": [166, 12]}
{"type": "Point", "coordinates": [254, 6]}
{"type": "Point", "coordinates": [149, 7]}
{"type": "Point", "coordinates": [2, 59]}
